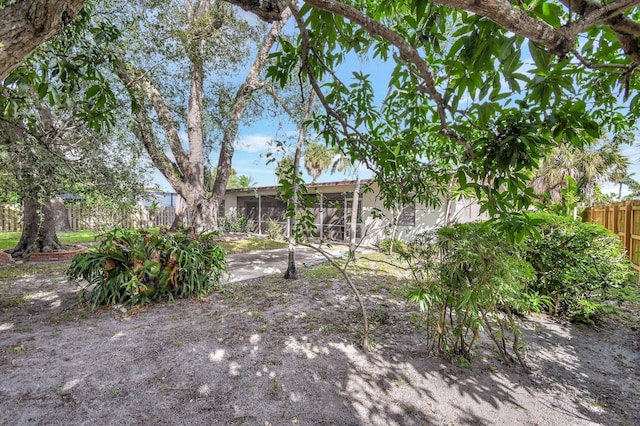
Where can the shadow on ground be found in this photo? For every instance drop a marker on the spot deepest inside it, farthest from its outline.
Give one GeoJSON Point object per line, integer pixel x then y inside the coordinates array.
{"type": "Point", "coordinates": [270, 351]}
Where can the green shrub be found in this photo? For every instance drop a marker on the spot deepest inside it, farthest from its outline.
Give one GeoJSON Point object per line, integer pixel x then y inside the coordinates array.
{"type": "Point", "coordinates": [579, 266]}
{"type": "Point", "coordinates": [133, 267]}
{"type": "Point", "coordinates": [236, 222]}
{"type": "Point", "coordinates": [393, 246]}
{"type": "Point", "coordinates": [469, 279]}
{"type": "Point", "coordinates": [273, 230]}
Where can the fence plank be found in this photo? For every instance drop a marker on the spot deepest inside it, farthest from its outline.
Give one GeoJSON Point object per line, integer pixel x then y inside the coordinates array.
{"type": "Point", "coordinates": [10, 217]}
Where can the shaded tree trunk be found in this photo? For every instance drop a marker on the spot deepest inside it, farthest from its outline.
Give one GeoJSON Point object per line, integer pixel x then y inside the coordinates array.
{"type": "Point", "coordinates": [292, 272]}
{"type": "Point", "coordinates": [38, 229]}
{"type": "Point", "coordinates": [60, 214]}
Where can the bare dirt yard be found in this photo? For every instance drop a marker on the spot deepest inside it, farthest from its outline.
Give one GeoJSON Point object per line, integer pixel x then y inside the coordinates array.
{"type": "Point", "coordinates": [276, 352]}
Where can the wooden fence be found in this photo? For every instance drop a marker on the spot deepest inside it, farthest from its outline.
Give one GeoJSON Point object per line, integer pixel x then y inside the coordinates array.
{"type": "Point", "coordinates": [10, 217]}
{"type": "Point", "coordinates": [80, 217]}
{"type": "Point", "coordinates": [622, 219]}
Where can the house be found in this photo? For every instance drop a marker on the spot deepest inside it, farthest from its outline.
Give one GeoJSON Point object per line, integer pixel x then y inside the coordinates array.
{"type": "Point", "coordinates": [162, 198]}
{"type": "Point", "coordinates": [332, 211]}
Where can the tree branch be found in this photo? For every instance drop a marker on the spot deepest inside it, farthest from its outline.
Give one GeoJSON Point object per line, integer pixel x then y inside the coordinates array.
{"type": "Point", "coordinates": [143, 84]}
{"type": "Point", "coordinates": [267, 10]}
{"type": "Point", "coordinates": [626, 29]}
{"type": "Point", "coordinates": [245, 91]}
{"type": "Point", "coordinates": [144, 131]}
{"type": "Point", "coordinates": [26, 24]}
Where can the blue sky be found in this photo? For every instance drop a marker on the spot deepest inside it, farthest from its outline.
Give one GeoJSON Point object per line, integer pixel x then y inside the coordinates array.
{"type": "Point", "coordinates": [254, 141]}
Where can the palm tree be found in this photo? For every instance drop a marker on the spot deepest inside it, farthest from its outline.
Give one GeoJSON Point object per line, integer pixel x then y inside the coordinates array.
{"type": "Point", "coordinates": [586, 167]}
{"type": "Point", "coordinates": [317, 159]}
{"type": "Point", "coordinates": [242, 181]}
{"type": "Point", "coordinates": [235, 180]}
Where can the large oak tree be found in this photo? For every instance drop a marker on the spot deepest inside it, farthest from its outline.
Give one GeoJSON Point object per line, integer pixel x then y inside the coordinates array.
{"type": "Point", "coordinates": [56, 132]}
{"type": "Point", "coordinates": [203, 44]}
{"type": "Point", "coordinates": [480, 91]}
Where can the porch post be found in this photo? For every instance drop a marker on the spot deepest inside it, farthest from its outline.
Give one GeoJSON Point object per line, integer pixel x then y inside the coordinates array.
{"type": "Point", "coordinates": [344, 218]}
{"type": "Point", "coordinates": [321, 216]}
{"type": "Point", "coordinates": [260, 214]}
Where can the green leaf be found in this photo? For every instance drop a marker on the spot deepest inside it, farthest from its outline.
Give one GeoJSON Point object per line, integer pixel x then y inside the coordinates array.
{"type": "Point", "coordinates": [420, 7]}
{"type": "Point", "coordinates": [93, 91]}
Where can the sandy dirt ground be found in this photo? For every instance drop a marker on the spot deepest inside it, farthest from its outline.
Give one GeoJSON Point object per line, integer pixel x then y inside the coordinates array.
{"type": "Point", "coordinates": [276, 352]}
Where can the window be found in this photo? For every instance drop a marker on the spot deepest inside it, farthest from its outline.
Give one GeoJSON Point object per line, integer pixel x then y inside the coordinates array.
{"type": "Point", "coordinates": [408, 216]}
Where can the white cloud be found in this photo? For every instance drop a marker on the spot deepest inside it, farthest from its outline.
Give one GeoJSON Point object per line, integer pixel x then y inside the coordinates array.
{"type": "Point", "coordinates": [253, 143]}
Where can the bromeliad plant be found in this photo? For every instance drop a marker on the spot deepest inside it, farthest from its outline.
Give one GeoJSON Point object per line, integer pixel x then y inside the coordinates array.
{"type": "Point", "coordinates": [133, 267]}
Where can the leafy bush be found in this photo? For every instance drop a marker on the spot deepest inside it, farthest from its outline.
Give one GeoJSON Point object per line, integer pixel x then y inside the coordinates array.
{"type": "Point", "coordinates": [236, 222]}
{"type": "Point", "coordinates": [133, 267]}
{"type": "Point", "coordinates": [469, 279]}
{"type": "Point", "coordinates": [393, 246]}
{"type": "Point", "coordinates": [273, 230]}
{"type": "Point", "coordinates": [579, 266]}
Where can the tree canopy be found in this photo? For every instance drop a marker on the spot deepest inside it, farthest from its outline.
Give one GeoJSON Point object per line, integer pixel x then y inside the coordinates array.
{"type": "Point", "coordinates": [479, 93]}
{"type": "Point", "coordinates": [470, 98]}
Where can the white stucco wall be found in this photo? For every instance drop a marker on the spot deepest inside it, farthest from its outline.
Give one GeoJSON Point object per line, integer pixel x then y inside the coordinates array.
{"type": "Point", "coordinates": [379, 228]}
{"type": "Point", "coordinates": [376, 220]}
{"type": "Point", "coordinates": [426, 219]}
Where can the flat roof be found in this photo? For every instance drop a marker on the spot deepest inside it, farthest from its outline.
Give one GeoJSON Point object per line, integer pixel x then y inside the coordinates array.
{"type": "Point", "coordinates": [308, 185]}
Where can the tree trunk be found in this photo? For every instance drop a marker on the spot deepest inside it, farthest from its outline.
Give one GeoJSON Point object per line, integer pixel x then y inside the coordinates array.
{"type": "Point", "coordinates": [61, 215]}
{"type": "Point", "coordinates": [620, 191]}
{"type": "Point", "coordinates": [397, 211]}
{"type": "Point", "coordinates": [447, 209]}
{"type": "Point", "coordinates": [203, 213]}
{"type": "Point", "coordinates": [38, 229]}
{"type": "Point", "coordinates": [292, 272]}
{"type": "Point", "coordinates": [178, 219]}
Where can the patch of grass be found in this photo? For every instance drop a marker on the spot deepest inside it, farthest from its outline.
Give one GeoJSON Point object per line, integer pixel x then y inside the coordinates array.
{"type": "Point", "coordinates": [263, 328]}
{"type": "Point", "coordinates": [325, 328]}
{"type": "Point", "coordinates": [321, 271]}
{"type": "Point", "coordinates": [10, 239]}
{"type": "Point", "coordinates": [378, 263]}
{"type": "Point", "coordinates": [379, 316]}
{"type": "Point", "coordinates": [13, 302]}
{"type": "Point", "coordinates": [275, 386]}
{"type": "Point", "coordinates": [18, 270]}
{"type": "Point", "coordinates": [18, 349]}
{"type": "Point", "coordinates": [257, 315]}
{"type": "Point", "coordinates": [251, 244]}
{"type": "Point", "coordinates": [76, 237]}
